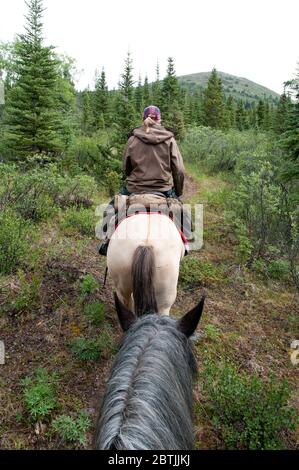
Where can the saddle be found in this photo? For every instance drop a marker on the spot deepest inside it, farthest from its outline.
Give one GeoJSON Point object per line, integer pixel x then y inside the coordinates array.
{"type": "Point", "coordinates": [150, 203]}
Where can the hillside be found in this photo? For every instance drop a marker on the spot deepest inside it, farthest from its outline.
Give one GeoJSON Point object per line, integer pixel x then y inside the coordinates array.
{"type": "Point", "coordinates": [238, 87]}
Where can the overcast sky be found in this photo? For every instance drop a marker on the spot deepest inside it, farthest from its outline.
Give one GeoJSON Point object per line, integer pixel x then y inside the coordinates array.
{"type": "Point", "coordinates": [256, 39]}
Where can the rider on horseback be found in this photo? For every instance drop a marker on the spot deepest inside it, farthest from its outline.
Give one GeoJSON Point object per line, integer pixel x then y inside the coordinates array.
{"type": "Point", "coordinates": [152, 162]}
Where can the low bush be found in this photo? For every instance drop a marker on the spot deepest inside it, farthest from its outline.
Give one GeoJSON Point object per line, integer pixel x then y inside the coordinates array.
{"type": "Point", "coordinates": [72, 430]}
{"type": "Point", "coordinates": [14, 233]}
{"type": "Point", "coordinates": [39, 394]}
{"type": "Point", "coordinates": [95, 312]}
{"type": "Point", "coordinates": [92, 349]}
{"type": "Point", "coordinates": [80, 221]}
{"type": "Point", "coordinates": [247, 412]}
{"type": "Point", "coordinates": [220, 151]}
{"type": "Point", "coordinates": [194, 272]}
{"type": "Point", "coordinates": [88, 286]}
{"type": "Point", "coordinates": [279, 269]}
{"type": "Point", "coordinates": [28, 294]}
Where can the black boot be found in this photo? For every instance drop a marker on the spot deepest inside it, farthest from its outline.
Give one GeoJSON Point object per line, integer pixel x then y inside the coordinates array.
{"type": "Point", "coordinates": [103, 248]}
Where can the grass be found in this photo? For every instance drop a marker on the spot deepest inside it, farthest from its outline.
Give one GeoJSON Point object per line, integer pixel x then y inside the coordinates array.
{"type": "Point", "coordinates": [212, 332]}
{"type": "Point", "coordinates": [217, 198]}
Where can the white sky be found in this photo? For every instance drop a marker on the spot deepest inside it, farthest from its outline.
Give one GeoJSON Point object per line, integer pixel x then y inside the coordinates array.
{"type": "Point", "coordinates": [256, 39]}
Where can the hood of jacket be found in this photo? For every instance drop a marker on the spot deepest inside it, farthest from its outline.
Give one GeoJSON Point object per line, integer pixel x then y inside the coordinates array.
{"type": "Point", "coordinates": [156, 135]}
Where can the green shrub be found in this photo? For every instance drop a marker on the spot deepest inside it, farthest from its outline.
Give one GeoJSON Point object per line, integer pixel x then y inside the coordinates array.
{"type": "Point", "coordinates": [72, 430]}
{"type": "Point", "coordinates": [259, 266]}
{"type": "Point", "coordinates": [266, 219]}
{"type": "Point", "coordinates": [97, 158]}
{"type": "Point", "coordinates": [88, 286]}
{"type": "Point", "coordinates": [78, 221]}
{"type": "Point", "coordinates": [113, 182]}
{"type": "Point", "coordinates": [248, 413]}
{"type": "Point", "coordinates": [39, 394]}
{"type": "Point", "coordinates": [217, 150]}
{"type": "Point", "coordinates": [28, 293]}
{"type": "Point", "coordinates": [14, 232]}
{"type": "Point", "coordinates": [217, 198]}
{"type": "Point", "coordinates": [93, 349]}
{"type": "Point", "coordinates": [29, 194]}
{"type": "Point", "coordinates": [244, 248]}
{"type": "Point", "coordinates": [95, 312]}
{"type": "Point", "coordinates": [73, 191]}
{"type": "Point", "coordinates": [279, 269]}
{"type": "Point", "coordinates": [194, 272]}
{"type": "Point", "coordinates": [45, 189]}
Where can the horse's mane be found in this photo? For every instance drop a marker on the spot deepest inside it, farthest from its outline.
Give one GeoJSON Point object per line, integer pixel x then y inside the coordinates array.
{"type": "Point", "coordinates": [148, 400]}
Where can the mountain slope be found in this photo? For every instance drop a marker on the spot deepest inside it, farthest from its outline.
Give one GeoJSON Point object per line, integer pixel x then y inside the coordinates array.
{"type": "Point", "coordinates": [238, 87]}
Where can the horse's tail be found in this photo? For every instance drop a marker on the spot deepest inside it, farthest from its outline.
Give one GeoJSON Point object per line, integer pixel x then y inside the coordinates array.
{"type": "Point", "coordinates": [143, 272]}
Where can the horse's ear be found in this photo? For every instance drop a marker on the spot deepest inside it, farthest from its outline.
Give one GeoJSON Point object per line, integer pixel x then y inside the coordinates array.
{"type": "Point", "coordinates": [125, 316]}
{"type": "Point", "coordinates": [188, 323]}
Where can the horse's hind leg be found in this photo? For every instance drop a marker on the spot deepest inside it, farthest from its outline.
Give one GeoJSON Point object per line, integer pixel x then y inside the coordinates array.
{"type": "Point", "coordinates": [123, 286]}
{"type": "Point", "coordinates": [165, 298]}
{"type": "Point", "coordinates": [126, 299]}
{"type": "Point", "coordinates": [166, 283]}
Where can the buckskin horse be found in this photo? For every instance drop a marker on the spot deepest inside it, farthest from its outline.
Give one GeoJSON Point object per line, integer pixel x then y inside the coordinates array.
{"type": "Point", "coordinates": [144, 257]}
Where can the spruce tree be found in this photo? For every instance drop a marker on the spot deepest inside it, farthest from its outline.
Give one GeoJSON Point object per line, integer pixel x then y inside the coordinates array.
{"type": "Point", "coordinates": [240, 116]}
{"type": "Point", "coordinates": [253, 116]}
{"type": "Point", "coordinates": [230, 110]}
{"type": "Point", "coordinates": [170, 90]}
{"type": "Point", "coordinates": [156, 89]}
{"type": "Point", "coordinates": [67, 100]}
{"type": "Point", "coordinates": [32, 118]}
{"type": "Point", "coordinates": [101, 101]}
{"type": "Point", "coordinates": [126, 114]}
{"type": "Point", "coordinates": [282, 112]}
{"type": "Point", "coordinates": [87, 117]}
{"type": "Point", "coordinates": [213, 104]}
{"type": "Point", "coordinates": [146, 93]}
{"type": "Point", "coordinates": [139, 97]}
{"type": "Point", "coordinates": [290, 138]}
{"type": "Point", "coordinates": [171, 107]}
{"type": "Point", "coordinates": [260, 114]}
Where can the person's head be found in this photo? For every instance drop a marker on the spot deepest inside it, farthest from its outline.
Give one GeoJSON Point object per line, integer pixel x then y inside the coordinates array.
{"type": "Point", "coordinates": [151, 116]}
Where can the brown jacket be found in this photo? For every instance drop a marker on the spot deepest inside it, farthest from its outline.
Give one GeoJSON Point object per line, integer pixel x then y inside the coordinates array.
{"type": "Point", "coordinates": [152, 162]}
